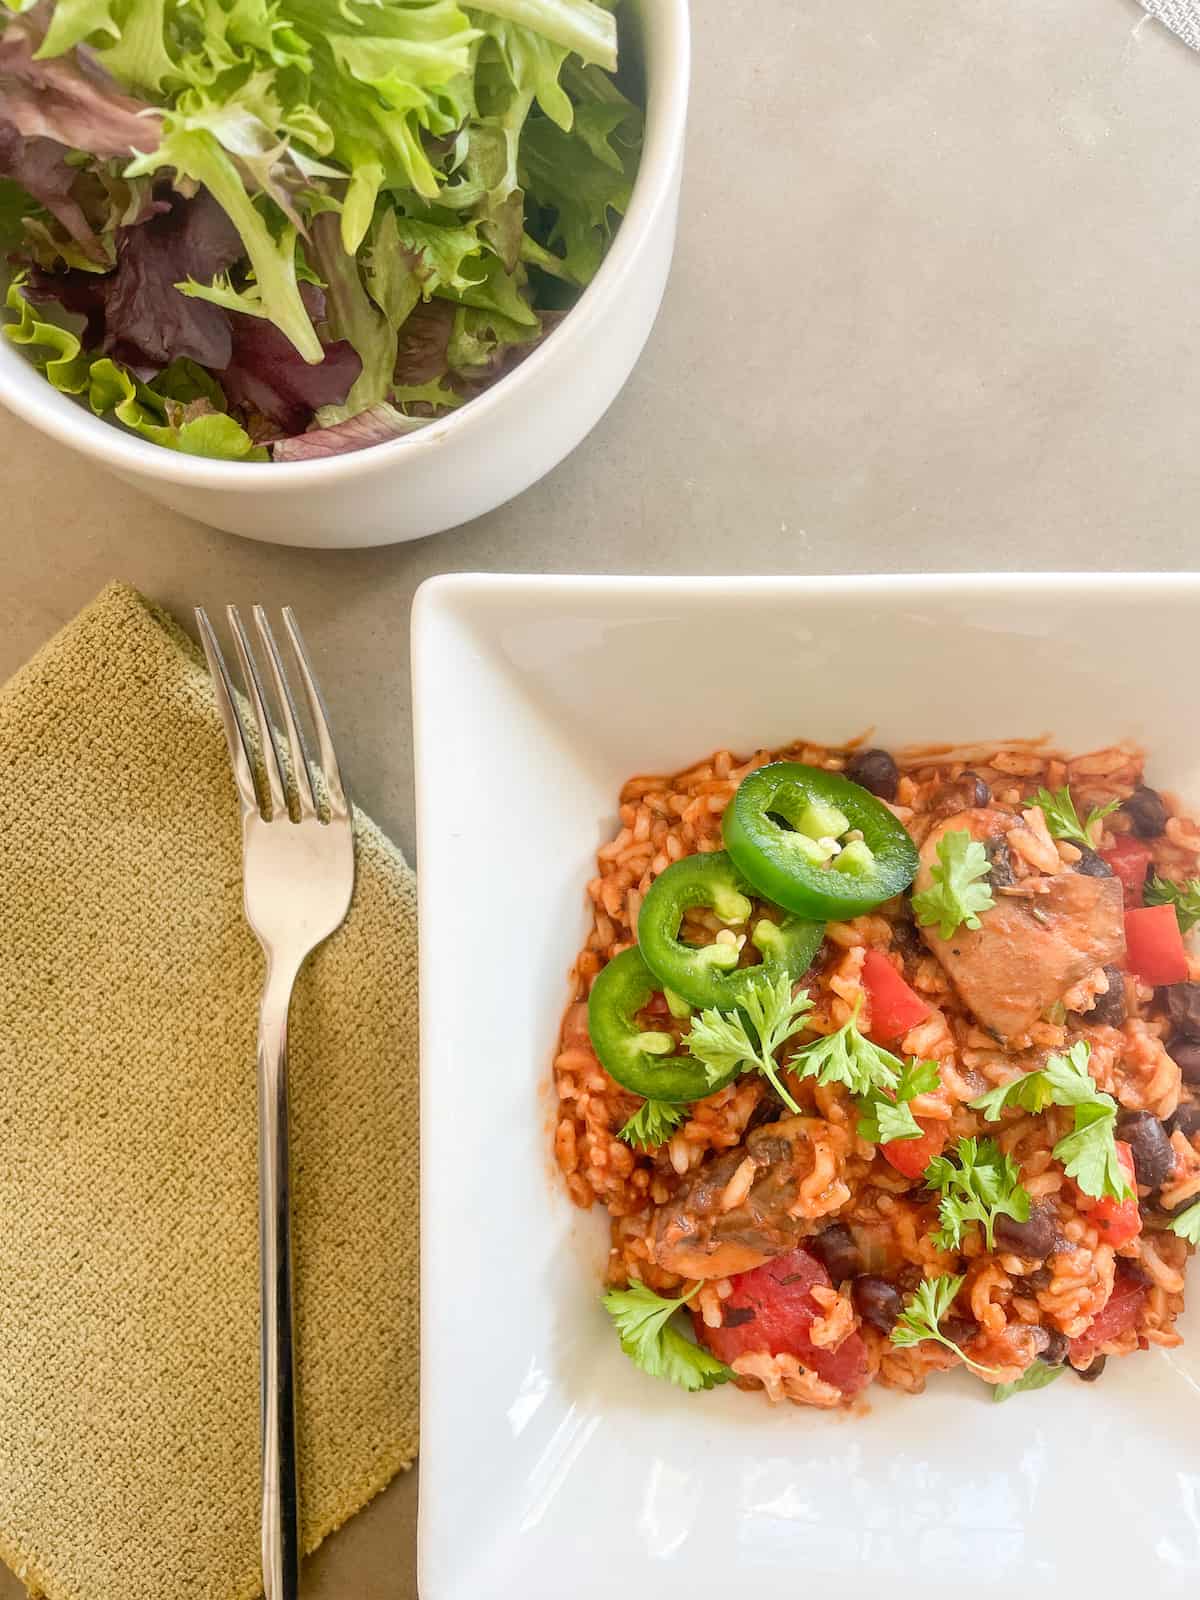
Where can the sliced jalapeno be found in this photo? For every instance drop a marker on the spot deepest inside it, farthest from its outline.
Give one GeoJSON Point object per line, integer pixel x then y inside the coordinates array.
{"type": "Point", "coordinates": [709, 975]}
{"type": "Point", "coordinates": [815, 843]}
{"type": "Point", "coordinates": [639, 1058]}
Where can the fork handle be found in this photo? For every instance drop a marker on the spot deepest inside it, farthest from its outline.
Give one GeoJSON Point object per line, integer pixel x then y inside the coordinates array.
{"type": "Point", "coordinates": [280, 1490]}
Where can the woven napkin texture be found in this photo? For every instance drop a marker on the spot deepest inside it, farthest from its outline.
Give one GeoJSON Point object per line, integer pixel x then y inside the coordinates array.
{"type": "Point", "coordinates": [129, 1328]}
{"type": "Point", "coordinates": [1182, 16]}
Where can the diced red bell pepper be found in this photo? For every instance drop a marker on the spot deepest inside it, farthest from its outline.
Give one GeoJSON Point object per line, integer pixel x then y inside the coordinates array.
{"type": "Point", "coordinates": [912, 1156]}
{"type": "Point", "coordinates": [1155, 945]}
{"type": "Point", "coordinates": [895, 1008]}
{"type": "Point", "coordinates": [1130, 859]}
{"type": "Point", "coordinates": [772, 1309]}
{"type": "Point", "coordinates": [1117, 1221]}
{"type": "Point", "coordinates": [1122, 1311]}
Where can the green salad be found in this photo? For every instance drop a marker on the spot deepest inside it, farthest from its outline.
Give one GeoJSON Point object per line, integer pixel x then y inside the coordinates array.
{"type": "Point", "coordinates": [284, 229]}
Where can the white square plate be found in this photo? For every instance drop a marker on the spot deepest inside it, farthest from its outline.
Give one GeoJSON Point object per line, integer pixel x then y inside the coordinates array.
{"type": "Point", "coordinates": [550, 1465]}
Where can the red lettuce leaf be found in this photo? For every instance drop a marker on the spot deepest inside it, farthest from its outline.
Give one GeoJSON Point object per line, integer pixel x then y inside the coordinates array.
{"type": "Point", "coordinates": [38, 165]}
{"type": "Point", "coordinates": [135, 313]}
{"type": "Point", "coordinates": [268, 375]}
{"type": "Point", "coordinates": [374, 426]}
{"type": "Point", "coordinates": [69, 98]}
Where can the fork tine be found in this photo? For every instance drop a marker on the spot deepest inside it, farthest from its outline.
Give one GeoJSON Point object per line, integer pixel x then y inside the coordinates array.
{"type": "Point", "coordinates": [239, 756]}
{"type": "Point", "coordinates": [296, 750]}
{"type": "Point", "coordinates": [339, 805]}
{"type": "Point", "coordinates": [266, 734]}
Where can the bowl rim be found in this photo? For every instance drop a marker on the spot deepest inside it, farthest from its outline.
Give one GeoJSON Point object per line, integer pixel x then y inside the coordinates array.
{"type": "Point", "coordinates": [667, 102]}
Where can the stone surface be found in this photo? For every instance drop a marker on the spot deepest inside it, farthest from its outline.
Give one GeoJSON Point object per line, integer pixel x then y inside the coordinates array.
{"type": "Point", "coordinates": [933, 308]}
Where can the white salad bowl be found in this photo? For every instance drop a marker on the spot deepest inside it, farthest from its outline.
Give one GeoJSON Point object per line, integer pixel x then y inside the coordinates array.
{"type": "Point", "coordinates": [473, 460]}
{"type": "Point", "coordinates": [550, 1465]}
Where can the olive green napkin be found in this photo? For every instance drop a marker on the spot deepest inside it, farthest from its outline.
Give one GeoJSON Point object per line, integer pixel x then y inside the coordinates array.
{"type": "Point", "coordinates": [128, 1210]}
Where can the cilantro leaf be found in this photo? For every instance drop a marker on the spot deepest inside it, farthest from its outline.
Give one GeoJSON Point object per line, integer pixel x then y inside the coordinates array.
{"type": "Point", "coordinates": [849, 1058]}
{"type": "Point", "coordinates": [1185, 897]}
{"type": "Point", "coordinates": [883, 1119]}
{"type": "Point", "coordinates": [957, 895]}
{"type": "Point", "coordinates": [1030, 1092]}
{"type": "Point", "coordinates": [1062, 819]}
{"type": "Point", "coordinates": [642, 1320]}
{"type": "Point", "coordinates": [724, 1040]}
{"type": "Point", "coordinates": [982, 1186]}
{"type": "Point", "coordinates": [1187, 1224]}
{"type": "Point", "coordinates": [652, 1124]}
{"type": "Point", "coordinates": [1036, 1376]}
{"type": "Point", "coordinates": [922, 1316]}
{"type": "Point", "coordinates": [1089, 1151]}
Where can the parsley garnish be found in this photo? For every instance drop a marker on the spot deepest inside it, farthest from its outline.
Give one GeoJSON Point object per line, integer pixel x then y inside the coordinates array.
{"type": "Point", "coordinates": [652, 1124]}
{"type": "Point", "coordinates": [1089, 1152]}
{"type": "Point", "coordinates": [983, 1185]}
{"type": "Point", "coordinates": [957, 894]}
{"type": "Point", "coordinates": [1062, 819]}
{"type": "Point", "coordinates": [722, 1040]}
{"type": "Point", "coordinates": [848, 1058]}
{"type": "Point", "coordinates": [883, 1119]}
{"type": "Point", "coordinates": [922, 1316]}
{"type": "Point", "coordinates": [1036, 1376]}
{"type": "Point", "coordinates": [1187, 1224]}
{"type": "Point", "coordinates": [643, 1322]}
{"type": "Point", "coordinates": [1185, 897]}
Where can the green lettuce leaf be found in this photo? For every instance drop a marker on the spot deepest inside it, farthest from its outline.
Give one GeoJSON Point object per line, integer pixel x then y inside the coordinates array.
{"type": "Point", "coordinates": [179, 411]}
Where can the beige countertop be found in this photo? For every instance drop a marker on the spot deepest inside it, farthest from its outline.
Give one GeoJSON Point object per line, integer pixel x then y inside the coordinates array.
{"type": "Point", "coordinates": [933, 307]}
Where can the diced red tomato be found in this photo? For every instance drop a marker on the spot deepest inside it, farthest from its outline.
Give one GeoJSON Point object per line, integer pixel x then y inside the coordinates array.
{"type": "Point", "coordinates": [1155, 945]}
{"type": "Point", "coordinates": [1122, 1311]}
{"type": "Point", "coordinates": [1130, 859]}
{"type": "Point", "coordinates": [895, 1008]}
{"type": "Point", "coordinates": [912, 1156]}
{"type": "Point", "coordinates": [1117, 1221]}
{"type": "Point", "coordinates": [772, 1309]}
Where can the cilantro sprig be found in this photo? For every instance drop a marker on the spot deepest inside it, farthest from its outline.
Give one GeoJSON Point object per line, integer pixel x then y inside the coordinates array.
{"type": "Point", "coordinates": [980, 1187]}
{"type": "Point", "coordinates": [922, 1316]}
{"type": "Point", "coordinates": [1185, 897]}
{"type": "Point", "coordinates": [1187, 1224]}
{"type": "Point", "coordinates": [643, 1323]}
{"type": "Point", "coordinates": [885, 1117]}
{"type": "Point", "coordinates": [1036, 1376]}
{"type": "Point", "coordinates": [957, 894]}
{"type": "Point", "coordinates": [748, 1038]}
{"type": "Point", "coordinates": [1062, 819]}
{"type": "Point", "coordinates": [652, 1124]}
{"type": "Point", "coordinates": [848, 1057]}
{"type": "Point", "coordinates": [1089, 1151]}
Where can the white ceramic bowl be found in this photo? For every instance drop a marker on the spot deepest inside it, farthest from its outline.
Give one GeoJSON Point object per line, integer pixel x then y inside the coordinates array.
{"type": "Point", "coordinates": [479, 457]}
{"type": "Point", "coordinates": [549, 1464]}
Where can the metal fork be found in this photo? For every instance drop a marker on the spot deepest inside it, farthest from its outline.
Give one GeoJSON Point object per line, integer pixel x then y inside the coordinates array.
{"type": "Point", "coordinates": [298, 878]}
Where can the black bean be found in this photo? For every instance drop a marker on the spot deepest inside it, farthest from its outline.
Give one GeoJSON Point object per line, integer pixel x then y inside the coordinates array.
{"type": "Point", "coordinates": [967, 792]}
{"type": "Point", "coordinates": [1091, 864]}
{"type": "Point", "coordinates": [1055, 1350]}
{"type": "Point", "coordinates": [1090, 1374]}
{"type": "Point", "coordinates": [1146, 811]}
{"type": "Point", "coordinates": [1000, 874]}
{"type": "Point", "coordinates": [1185, 1120]}
{"type": "Point", "coordinates": [1109, 1009]}
{"type": "Point", "coordinates": [960, 1329]}
{"type": "Point", "coordinates": [877, 1302]}
{"type": "Point", "coordinates": [876, 771]}
{"type": "Point", "coordinates": [1153, 1157]}
{"type": "Point", "coordinates": [1034, 1240]}
{"type": "Point", "coordinates": [1185, 1053]}
{"type": "Point", "coordinates": [1183, 1008]}
{"type": "Point", "coordinates": [837, 1252]}
{"type": "Point", "coordinates": [768, 1109]}
{"type": "Point", "coordinates": [1039, 1280]}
